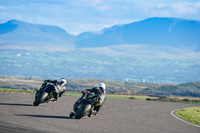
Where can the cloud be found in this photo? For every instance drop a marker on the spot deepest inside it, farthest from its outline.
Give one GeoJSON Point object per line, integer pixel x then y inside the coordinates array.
{"type": "Point", "coordinates": [186, 7]}
{"type": "Point", "coordinates": [85, 3]}
{"type": "Point", "coordinates": [2, 7]}
{"type": "Point", "coordinates": [178, 9]}
{"type": "Point", "coordinates": [86, 15]}
{"type": "Point", "coordinates": [103, 8]}
{"type": "Point", "coordinates": [92, 5]}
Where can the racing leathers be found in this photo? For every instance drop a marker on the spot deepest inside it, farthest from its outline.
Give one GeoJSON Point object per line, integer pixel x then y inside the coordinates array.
{"type": "Point", "coordinates": [59, 87]}
{"type": "Point", "coordinates": [98, 92]}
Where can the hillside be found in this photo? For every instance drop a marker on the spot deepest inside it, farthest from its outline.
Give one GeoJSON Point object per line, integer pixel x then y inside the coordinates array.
{"type": "Point", "coordinates": [173, 32]}
{"type": "Point", "coordinates": [186, 89]}
{"type": "Point", "coordinates": [21, 35]}
{"type": "Point", "coordinates": [113, 87]}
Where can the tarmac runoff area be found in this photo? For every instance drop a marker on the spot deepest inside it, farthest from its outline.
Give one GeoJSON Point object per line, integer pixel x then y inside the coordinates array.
{"type": "Point", "coordinates": [18, 115]}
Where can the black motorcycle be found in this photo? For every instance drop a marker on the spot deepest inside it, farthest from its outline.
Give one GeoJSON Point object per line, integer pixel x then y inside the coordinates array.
{"type": "Point", "coordinates": [84, 105]}
{"type": "Point", "coordinates": [44, 95]}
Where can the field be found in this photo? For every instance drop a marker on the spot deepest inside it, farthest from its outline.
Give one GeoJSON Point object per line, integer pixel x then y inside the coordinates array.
{"type": "Point", "coordinates": [83, 64]}
{"type": "Point", "coordinates": [191, 89]}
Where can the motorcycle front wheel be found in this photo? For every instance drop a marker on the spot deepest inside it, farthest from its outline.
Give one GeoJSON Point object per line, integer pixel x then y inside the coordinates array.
{"type": "Point", "coordinates": [83, 111]}
{"type": "Point", "coordinates": [40, 98]}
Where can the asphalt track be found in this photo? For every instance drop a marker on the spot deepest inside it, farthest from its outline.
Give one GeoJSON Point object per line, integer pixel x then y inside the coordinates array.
{"type": "Point", "coordinates": [18, 115]}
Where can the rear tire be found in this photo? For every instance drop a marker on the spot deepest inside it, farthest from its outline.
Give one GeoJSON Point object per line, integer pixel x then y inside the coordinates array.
{"type": "Point", "coordinates": [83, 111]}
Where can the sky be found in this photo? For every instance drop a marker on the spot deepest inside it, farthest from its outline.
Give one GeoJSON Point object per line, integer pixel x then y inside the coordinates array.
{"type": "Point", "coordinates": [77, 16]}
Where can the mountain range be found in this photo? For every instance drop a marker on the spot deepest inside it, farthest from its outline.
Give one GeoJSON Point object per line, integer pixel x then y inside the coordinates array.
{"type": "Point", "coordinates": [154, 31]}
{"type": "Point", "coordinates": [173, 32]}
{"type": "Point", "coordinates": [164, 50]}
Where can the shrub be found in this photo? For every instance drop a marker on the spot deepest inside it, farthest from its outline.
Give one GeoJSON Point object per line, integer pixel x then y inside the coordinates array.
{"type": "Point", "coordinates": [132, 98]}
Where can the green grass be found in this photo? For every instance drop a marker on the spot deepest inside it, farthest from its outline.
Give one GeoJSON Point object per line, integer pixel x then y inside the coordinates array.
{"type": "Point", "coordinates": [72, 94]}
{"type": "Point", "coordinates": [191, 115]}
{"type": "Point", "coordinates": [190, 100]}
{"type": "Point", "coordinates": [111, 96]}
{"type": "Point", "coordinates": [117, 96]}
{"type": "Point", "coordinates": [15, 90]}
{"type": "Point", "coordinates": [133, 97]}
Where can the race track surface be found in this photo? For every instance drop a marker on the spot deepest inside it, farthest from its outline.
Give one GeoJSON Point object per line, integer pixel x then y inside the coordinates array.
{"type": "Point", "coordinates": [17, 114]}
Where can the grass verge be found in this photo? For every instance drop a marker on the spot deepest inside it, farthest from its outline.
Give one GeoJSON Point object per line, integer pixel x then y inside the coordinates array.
{"type": "Point", "coordinates": [189, 100]}
{"type": "Point", "coordinates": [191, 115]}
{"type": "Point", "coordinates": [132, 97]}
{"type": "Point", "coordinates": [15, 90]}
{"type": "Point", "coordinates": [111, 96]}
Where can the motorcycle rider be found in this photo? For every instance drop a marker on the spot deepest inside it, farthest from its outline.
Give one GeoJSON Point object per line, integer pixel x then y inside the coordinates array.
{"type": "Point", "coordinates": [59, 87]}
{"type": "Point", "coordinates": [100, 91]}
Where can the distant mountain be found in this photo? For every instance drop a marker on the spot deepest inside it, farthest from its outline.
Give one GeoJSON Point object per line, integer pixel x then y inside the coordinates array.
{"type": "Point", "coordinates": [167, 32]}
{"type": "Point", "coordinates": [21, 35]}
{"type": "Point", "coordinates": [173, 32]}
{"type": "Point", "coordinates": [156, 50]}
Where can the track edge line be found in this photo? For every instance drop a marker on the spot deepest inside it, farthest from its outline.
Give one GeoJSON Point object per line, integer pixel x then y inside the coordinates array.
{"type": "Point", "coordinates": [172, 113]}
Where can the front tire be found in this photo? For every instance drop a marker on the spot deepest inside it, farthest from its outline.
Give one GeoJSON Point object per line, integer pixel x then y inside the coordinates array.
{"type": "Point", "coordinates": [83, 111]}
{"type": "Point", "coordinates": [37, 99]}
{"type": "Point", "coordinates": [40, 99]}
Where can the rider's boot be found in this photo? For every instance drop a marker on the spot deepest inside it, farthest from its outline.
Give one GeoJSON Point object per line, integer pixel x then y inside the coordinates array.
{"type": "Point", "coordinates": [90, 114]}
{"type": "Point", "coordinates": [71, 114]}
{"type": "Point", "coordinates": [95, 112]}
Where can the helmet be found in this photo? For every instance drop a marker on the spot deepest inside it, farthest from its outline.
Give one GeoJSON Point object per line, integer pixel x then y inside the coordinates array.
{"type": "Point", "coordinates": [63, 80]}
{"type": "Point", "coordinates": [102, 85]}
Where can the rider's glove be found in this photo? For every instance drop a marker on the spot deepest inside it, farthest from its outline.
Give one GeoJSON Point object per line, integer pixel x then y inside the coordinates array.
{"type": "Point", "coordinates": [84, 91]}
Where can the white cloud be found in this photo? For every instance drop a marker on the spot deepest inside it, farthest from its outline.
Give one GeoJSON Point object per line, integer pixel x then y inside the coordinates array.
{"type": "Point", "coordinates": [186, 7]}
{"type": "Point", "coordinates": [91, 3]}
{"type": "Point", "coordinates": [2, 7]}
{"type": "Point", "coordinates": [86, 15]}
{"type": "Point", "coordinates": [161, 5]}
{"type": "Point", "coordinates": [103, 8]}
{"type": "Point", "coordinates": [185, 10]}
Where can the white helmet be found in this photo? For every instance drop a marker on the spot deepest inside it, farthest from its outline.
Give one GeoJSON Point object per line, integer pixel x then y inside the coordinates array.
{"type": "Point", "coordinates": [63, 80]}
{"type": "Point", "coordinates": [102, 85]}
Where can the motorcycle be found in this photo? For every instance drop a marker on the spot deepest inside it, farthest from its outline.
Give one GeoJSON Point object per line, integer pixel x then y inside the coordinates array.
{"type": "Point", "coordinates": [44, 95]}
{"type": "Point", "coordinates": [84, 106]}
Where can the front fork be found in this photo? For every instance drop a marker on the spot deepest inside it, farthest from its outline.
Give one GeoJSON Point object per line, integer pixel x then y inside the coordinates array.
{"type": "Point", "coordinates": [48, 98]}
{"type": "Point", "coordinates": [90, 113]}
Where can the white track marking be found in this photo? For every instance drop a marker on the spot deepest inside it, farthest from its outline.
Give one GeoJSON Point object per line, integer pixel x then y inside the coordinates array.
{"type": "Point", "coordinates": [172, 113]}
